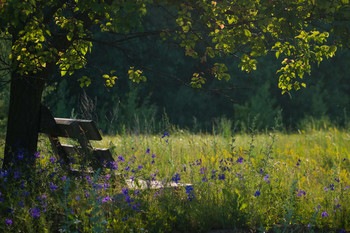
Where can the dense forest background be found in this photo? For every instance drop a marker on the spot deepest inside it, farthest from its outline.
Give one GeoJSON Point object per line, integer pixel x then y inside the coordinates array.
{"type": "Point", "coordinates": [165, 99]}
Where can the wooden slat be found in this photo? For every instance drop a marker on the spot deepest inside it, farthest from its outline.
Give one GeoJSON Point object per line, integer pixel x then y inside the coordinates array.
{"type": "Point", "coordinates": [102, 154]}
{"type": "Point", "coordinates": [69, 127]}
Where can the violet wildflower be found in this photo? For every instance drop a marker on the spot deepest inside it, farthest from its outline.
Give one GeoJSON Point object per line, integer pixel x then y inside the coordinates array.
{"type": "Point", "coordinates": [8, 222]}
{"type": "Point", "coordinates": [107, 198]}
{"type": "Point", "coordinates": [300, 192]}
{"type": "Point", "coordinates": [189, 192]}
{"type": "Point", "coordinates": [261, 171]}
{"type": "Point", "coordinates": [344, 159]}
{"type": "Point", "coordinates": [77, 198]}
{"type": "Point", "coordinates": [331, 186]}
{"type": "Point", "coordinates": [63, 178]}
{"type": "Point", "coordinates": [266, 178]}
{"type": "Point", "coordinates": [337, 179]}
{"type": "Point", "coordinates": [298, 163]}
{"type": "Point", "coordinates": [176, 178]}
{"type": "Point", "coordinates": [52, 159]}
{"type": "Point", "coordinates": [239, 160]}
{"type": "Point", "coordinates": [338, 206]}
{"type": "Point", "coordinates": [325, 189]}
{"type": "Point", "coordinates": [16, 175]}
{"type": "Point", "coordinates": [148, 151]}
{"type": "Point", "coordinates": [204, 179]}
{"type": "Point", "coordinates": [153, 156]}
{"type": "Point", "coordinates": [324, 214]}
{"type": "Point", "coordinates": [53, 187]}
{"type": "Point", "coordinates": [121, 158]}
{"type": "Point", "coordinates": [37, 155]}
{"type": "Point", "coordinates": [34, 212]}
{"type": "Point", "coordinates": [203, 170]}
{"type": "Point", "coordinates": [222, 177]}
{"type": "Point", "coordinates": [140, 167]}
{"type": "Point", "coordinates": [165, 134]}
{"type": "Point", "coordinates": [257, 193]}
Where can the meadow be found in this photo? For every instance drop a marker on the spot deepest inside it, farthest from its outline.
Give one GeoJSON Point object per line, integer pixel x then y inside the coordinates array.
{"type": "Point", "coordinates": [253, 182]}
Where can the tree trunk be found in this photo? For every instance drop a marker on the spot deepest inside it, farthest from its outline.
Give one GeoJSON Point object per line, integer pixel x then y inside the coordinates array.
{"type": "Point", "coordinates": [23, 118]}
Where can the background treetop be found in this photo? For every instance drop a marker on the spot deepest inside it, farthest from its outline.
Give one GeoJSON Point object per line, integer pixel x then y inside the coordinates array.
{"type": "Point", "coordinates": [60, 33]}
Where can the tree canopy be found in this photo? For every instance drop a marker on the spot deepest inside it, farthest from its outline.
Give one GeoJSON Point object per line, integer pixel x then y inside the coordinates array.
{"type": "Point", "coordinates": [49, 35]}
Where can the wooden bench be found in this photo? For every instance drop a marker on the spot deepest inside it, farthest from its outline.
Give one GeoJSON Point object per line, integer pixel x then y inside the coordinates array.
{"type": "Point", "coordinates": [81, 130]}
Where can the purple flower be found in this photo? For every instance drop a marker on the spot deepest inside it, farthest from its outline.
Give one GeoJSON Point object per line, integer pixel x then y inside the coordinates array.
{"type": "Point", "coordinates": [140, 167]}
{"type": "Point", "coordinates": [165, 134]}
{"type": "Point", "coordinates": [298, 163]}
{"type": "Point", "coordinates": [347, 187]}
{"type": "Point", "coordinates": [261, 171]}
{"type": "Point", "coordinates": [52, 159]}
{"type": "Point", "coordinates": [257, 193]}
{"type": "Point", "coordinates": [240, 160]}
{"type": "Point", "coordinates": [34, 212]}
{"type": "Point", "coordinates": [21, 203]}
{"type": "Point", "coordinates": [53, 187]}
{"type": "Point", "coordinates": [324, 214]}
{"type": "Point", "coordinates": [331, 186]}
{"type": "Point", "coordinates": [106, 199]}
{"type": "Point", "coordinates": [77, 198]}
{"type": "Point", "coordinates": [266, 178]}
{"type": "Point", "coordinates": [344, 159]}
{"type": "Point", "coordinates": [325, 189]}
{"type": "Point", "coordinates": [127, 168]}
{"type": "Point", "coordinates": [63, 178]}
{"type": "Point", "coordinates": [222, 177]}
{"type": "Point", "coordinates": [204, 179]}
{"type": "Point", "coordinates": [37, 155]}
{"type": "Point", "coordinates": [300, 192]}
{"type": "Point", "coordinates": [338, 206]}
{"type": "Point", "coordinates": [125, 191]}
{"type": "Point", "coordinates": [203, 170]}
{"type": "Point", "coordinates": [176, 178]}
{"type": "Point", "coordinates": [147, 151]}
{"type": "Point", "coordinates": [16, 174]}
{"type": "Point", "coordinates": [8, 222]}
{"type": "Point", "coordinates": [337, 179]}
{"type": "Point", "coordinates": [190, 195]}
{"type": "Point", "coordinates": [121, 158]}
{"type": "Point", "coordinates": [153, 156]}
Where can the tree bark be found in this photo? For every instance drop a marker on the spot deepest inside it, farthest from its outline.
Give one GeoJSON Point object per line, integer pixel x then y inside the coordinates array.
{"type": "Point", "coordinates": [23, 118]}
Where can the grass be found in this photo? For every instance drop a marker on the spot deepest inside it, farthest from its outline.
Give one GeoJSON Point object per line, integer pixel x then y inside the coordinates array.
{"type": "Point", "coordinates": [252, 182]}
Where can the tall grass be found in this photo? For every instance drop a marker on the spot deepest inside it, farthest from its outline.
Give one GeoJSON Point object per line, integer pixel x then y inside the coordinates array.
{"type": "Point", "coordinates": [260, 182]}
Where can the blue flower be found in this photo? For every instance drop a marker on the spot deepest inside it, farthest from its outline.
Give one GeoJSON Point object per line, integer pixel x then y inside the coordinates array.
{"type": "Point", "coordinates": [266, 178]}
{"type": "Point", "coordinates": [331, 186]}
{"type": "Point", "coordinates": [190, 195]}
{"type": "Point", "coordinates": [52, 159]}
{"type": "Point", "coordinates": [222, 177]}
{"type": "Point", "coordinates": [239, 160]}
{"type": "Point", "coordinates": [121, 158]}
{"type": "Point", "coordinates": [8, 222]}
{"type": "Point", "coordinates": [324, 214]}
{"type": "Point", "coordinates": [34, 212]}
{"type": "Point", "coordinates": [107, 198]}
{"type": "Point", "coordinates": [165, 134]}
{"type": "Point", "coordinates": [257, 193]}
{"type": "Point", "coordinates": [300, 192]}
{"type": "Point", "coordinates": [337, 179]}
{"type": "Point", "coordinates": [176, 178]}
{"type": "Point", "coordinates": [147, 151]}
{"type": "Point", "coordinates": [53, 187]}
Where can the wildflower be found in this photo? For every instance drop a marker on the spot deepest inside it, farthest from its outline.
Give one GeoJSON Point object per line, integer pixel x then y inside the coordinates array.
{"type": "Point", "coordinates": [125, 191]}
{"type": "Point", "coordinates": [8, 222]}
{"type": "Point", "coordinates": [176, 178]}
{"type": "Point", "coordinates": [337, 179]}
{"type": "Point", "coordinates": [140, 167]}
{"type": "Point", "coordinates": [324, 214]}
{"type": "Point", "coordinates": [331, 186]}
{"type": "Point", "coordinates": [342, 231]}
{"type": "Point", "coordinates": [152, 162]}
{"type": "Point", "coordinates": [240, 160]}
{"type": "Point", "coordinates": [136, 192]}
{"type": "Point", "coordinates": [121, 158]}
{"type": "Point", "coordinates": [37, 155]}
{"type": "Point", "coordinates": [266, 178]}
{"type": "Point", "coordinates": [77, 198]}
{"type": "Point", "coordinates": [124, 219]}
{"type": "Point", "coordinates": [53, 187]}
{"type": "Point", "coordinates": [261, 171]}
{"type": "Point", "coordinates": [127, 168]}
{"type": "Point", "coordinates": [325, 189]}
{"type": "Point", "coordinates": [344, 159]}
{"type": "Point", "coordinates": [52, 159]}
{"type": "Point", "coordinates": [298, 163]}
{"type": "Point", "coordinates": [21, 203]}
{"type": "Point", "coordinates": [203, 170]}
{"type": "Point", "coordinates": [257, 193]}
{"type": "Point", "coordinates": [16, 174]}
{"type": "Point", "coordinates": [153, 156]}
{"type": "Point", "coordinates": [107, 198]}
{"type": "Point", "coordinates": [204, 179]}
{"type": "Point", "coordinates": [165, 134]}
{"type": "Point", "coordinates": [189, 192]}
{"type": "Point", "coordinates": [147, 151]}
{"type": "Point", "coordinates": [222, 177]}
{"type": "Point", "coordinates": [63, 178]}
{"type": "Point", "coordinates": [34, 212]}
{"type": "Point", "coordinates": [347, 187]}
{"type": "Point", "coordinates": [87, 195]}
{"type": "Point", "coordinates": [300, 192]}
{"type": "Point", "coordinates": [338, 206]}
